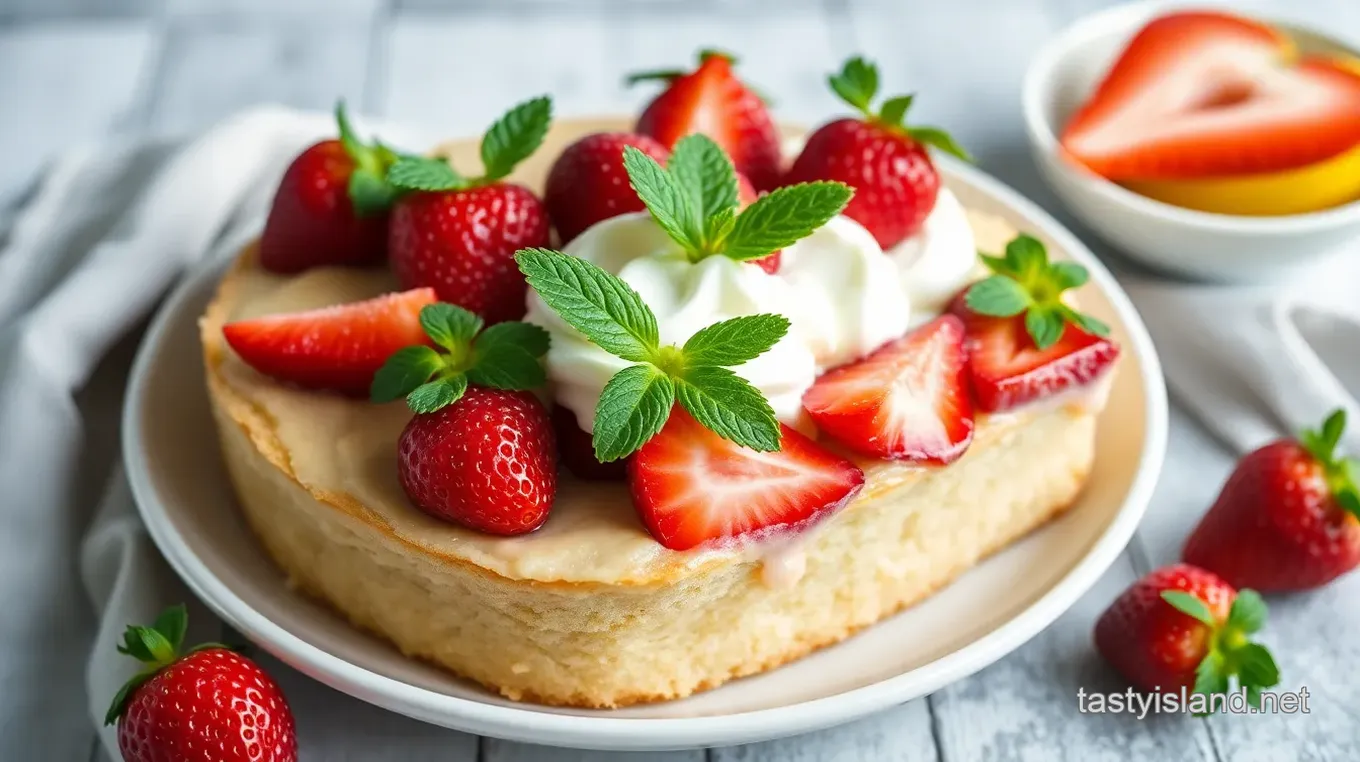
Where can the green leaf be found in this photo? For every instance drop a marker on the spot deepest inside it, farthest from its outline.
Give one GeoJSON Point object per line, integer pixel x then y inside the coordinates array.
{"type": "Point", "coordinates": [997, 295]}
{"type": "Point", "coordinates": [633, 407]}
{"type": "Point", "coordinates": [653, 75]}
{"type": "Point", "coordinates": [784, 217]}
{"type": "Point", "coordinates": [1248, 612]}
{"type": "Point", "coordinates": [124, 694]}
{"type": "Point", "coordinates": [894, 110]}
{"type": "Point", "coordinates": [439, 393]}
{"type": "Point", "coordinates": [1026, 258]}
{"type": "Point", "coordinates": [406, 369]}
{"type": "Point", "coordinates": [707, 53]}
{"type": "Point", "coordinates": [1044, 325]}
{"type": "Point", "coordinates": [856, 83]}
{"type": "Point", "coordinates": [996, 265]}
{"type": "Point", "coordinates": [1085, 322]}
{"type": "Point", "coordinates": [515, 136]}
{"type": "Point", "coordinates": [1210, 675]}
{"type": "Point", "coordinates": [506, 356]}
{"type": "Point", "coordinates": [449, 325]}
{"type": "Point", "coordinates": [938, 138]}
{"type": "Point", "coordinates": [1255, 666]}
{"type": "Point", "coordinates": [353, 146]}
{"type": "Point", "coordinates": [735, 341]}
{"type": "Point", "coordinates": [601, 306]}
{"type": "Point", "coordinates": [668, 203]}
{"type": "Point", "coordinates": [717, 227]}
{"type": "Point", "coordinates": [1190, 605]}
{"type": "Point", "coordinates": [155, 644]}
{"type": "Point", "coordinates": [727, 405]}
{"type": "Point", "coordinates": [173, 623]}
{"type": "Point", "coordinates": [422, 173]}
{"type": "Point", "coordinates": [1334, 427]}
{"type": "Point", "coordinates": [706, 173]}
{"type": "Point", "coordinates": [1067, 275]}
{"type": "Point", "coordinates": [370, 193]}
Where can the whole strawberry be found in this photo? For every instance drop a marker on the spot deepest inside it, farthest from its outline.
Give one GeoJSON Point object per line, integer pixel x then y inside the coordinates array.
{"type": "Point", "coordinates": [1288, 517]}
{"type": "Point", "coordinates": [458, 235]}
{"type": "Point", "coordinates": [480, 450]}
{"type": "Point", "coordinates": [331, 206]}
{"type": "Point", "coordinates": [1182, 626]}
{"type": "Point", "coordinates": [711, 100]}
{"type": "Point", "coordinates": [881, 157]}
{"type": "Point", "coordinates": [209, 705]}
{"type": "Point", "coordinates": [588, 184]}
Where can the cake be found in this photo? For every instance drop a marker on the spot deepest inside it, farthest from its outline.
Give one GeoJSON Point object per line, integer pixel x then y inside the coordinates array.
{"type": "Point", "coordinates": [602, 605]}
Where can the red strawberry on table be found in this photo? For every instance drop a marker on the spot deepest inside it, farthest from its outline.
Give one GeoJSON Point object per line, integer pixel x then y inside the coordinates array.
{"type": "Point", "coordinates": [588, 184]}
{"type": "Point", "coordinates": [458, 235]}
{"type": "Point", "coordinates": [908, 400]}
{"type": "Point", "coordinates": [1288, 517]}
{"type": "Point", "coordinates": [885, 160]}
{"type": "Point", "coordinates": [337, 348]}
{"type": "Point", "coordinates": [331, 206]}
{"type": "Point", "coordinates": [209, 705]}
{"type": "Point", "coordinates": [692, 487]}
{"type": "Point", "coordinates": [1024, 341]}
{"type": "Point", "coordinates": [711, 100]}
{"type": "Point", "coordinates": [1182, 626]}
{"type": "Point", "coordinates": [1206, 94]}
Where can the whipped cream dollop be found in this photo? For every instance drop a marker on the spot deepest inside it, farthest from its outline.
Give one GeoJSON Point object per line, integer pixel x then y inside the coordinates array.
{"type": "Point", "coordinates": [843, 297]}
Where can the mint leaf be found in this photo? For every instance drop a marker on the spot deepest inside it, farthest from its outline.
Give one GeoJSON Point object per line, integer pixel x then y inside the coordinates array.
{"type": "Point", "coordinates": [998, 296]}
{"type": "Point", "coordinates": [735, 341]}
{"type": "Point", "coordinates": [425, 174]}
{"type": "Point", "coordinates": [515, 136]}
{"type": "Point", "coordinates": [1045, 325]}
{"type": "Point", "coordinates": [602, 307]}
{"type": "Point", "coordinates": [632, 409]}
{"type": "Point", "coordinates": [439, 393]}
{"type": "Point", "coordinates": [1248, 612]}
{"type": "Point", "coordinates": [1189, 604]}
{"type": "Point", "coordinates": [856, 84]}
{"type": "Point", "coordinates": [450, 326]}
{"type": "Point", "coordinates": [784, 217]}
{"type": "Point", "coordinates": [505, 356]}
{"type": "Point", "coordinates": [667, 202]}
{"type": "Point", "coordinates": [703, 170]}
{"type": "Point", "coordinates": [729, 406]}
{"type": "Point", "coordinates": [173, 623]}
{"type": "Point", "coordinates": [406, 369]}
{"type": "Point", "coordinates": [938, 138]}
{"type": "Point", "coordinates": [717, 227]}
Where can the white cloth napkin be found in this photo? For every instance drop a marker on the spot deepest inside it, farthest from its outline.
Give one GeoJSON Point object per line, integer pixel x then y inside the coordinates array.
{"type": "Point", "coordinates": [111, 228]}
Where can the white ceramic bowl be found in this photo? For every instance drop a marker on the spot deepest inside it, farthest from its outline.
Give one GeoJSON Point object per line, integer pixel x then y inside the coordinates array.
{"type": "Point", "coordinates": [1183, 241]}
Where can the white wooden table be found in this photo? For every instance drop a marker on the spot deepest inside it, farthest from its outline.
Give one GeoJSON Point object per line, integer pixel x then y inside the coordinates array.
{"type": "Point", "coordinates": [81, 69]}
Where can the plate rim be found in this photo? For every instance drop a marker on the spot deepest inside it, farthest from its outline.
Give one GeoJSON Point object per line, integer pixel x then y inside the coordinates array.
{"type": "Point", "coordinates": [529, 723]}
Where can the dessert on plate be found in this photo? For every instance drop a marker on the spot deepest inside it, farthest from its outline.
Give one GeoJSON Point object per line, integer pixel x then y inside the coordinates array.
{"type": "Point", "coordinates": [628, 414]}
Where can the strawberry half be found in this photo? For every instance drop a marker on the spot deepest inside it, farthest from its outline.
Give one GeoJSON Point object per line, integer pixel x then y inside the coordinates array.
{"type": "Point", "coordinates": [906, 401]}
{"type": "Point", "coordinates": [337, 348]}
{"type": "Point", "coordinates": [1023, 341]}
{"type": "Point", "coordinates": [713, 101]}
{"type": "Point", "coordinates": [1204, 94]}
{"type": "Point", "coordinates": [692, 487]}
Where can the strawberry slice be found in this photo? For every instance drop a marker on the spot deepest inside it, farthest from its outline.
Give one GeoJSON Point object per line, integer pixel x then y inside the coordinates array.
{"type": "Point", "coordinates": [692, 487]}
{"type": "Point", "coordinates": [1203, 94]}
{"type": "Point", "coordinates": [337, 348]}
{"type": "Point", "coordinates": [906, 401]}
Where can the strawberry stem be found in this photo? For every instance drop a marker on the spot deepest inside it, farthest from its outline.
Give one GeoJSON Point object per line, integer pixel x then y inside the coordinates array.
{"type": "Point", "coordinates": [157, 647]}
{"type": "Point", "coordinates": [1231, 653]}
{"type": "Point", "coordinates": [857, 84]}
{"type": "Point", "coordinates": [1025, 282]}
{"type": "Point", "coordinates": [1341, 473]}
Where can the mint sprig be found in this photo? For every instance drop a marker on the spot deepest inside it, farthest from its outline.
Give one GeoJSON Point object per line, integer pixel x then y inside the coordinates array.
{"type": "Point", "coordinates": [694, 198]}
{"type": "Point", "coordinates": [636, 402]}
{"type": "Point", "coordinates": [1341, 473]}
{"type": "Point", "coordinates": [369, 189]}
{"type": "Point", "coordinates": [1231, 654]}
{"type": "Point", "coordinates": [1024, 281]}
{"type": "Point", "coordinates": [857, 84]}
{"type": "Point", "coordinates": [504, 356]}
{"type": "Point", "coordinates": [512, 139]}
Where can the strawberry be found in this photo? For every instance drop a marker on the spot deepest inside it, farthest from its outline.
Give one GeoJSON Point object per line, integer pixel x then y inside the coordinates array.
{"type": "Point", "coordinates": [337, 348]}
{"type": "Point", "coordinates": [576, 449]}
{"type": "Point", "coordinates": [1182, 626]}
{"type": "Point", "coordinates": [209, 705]}
{"type": "Point", "coordinates": [692, 487]}
{"type": "Point", "coordinates": [1024, 342]}
{"type": "Point", "coordinates": [1204, 94]}
{"type": "Point", "coordinates": [458, 235]}
{"type": "Point", "coordinates": [908, 400]}
{"type": "Point", "coordinates": [331, 206]}
{"type": "Point", "coordinates": [881, 157]}
{"type": "Point", "coordinates": [587, 183]}
{"type": "Point", "coordinates": [711, 100]}
{"type": "Point", "coordinates": [1287, 517]}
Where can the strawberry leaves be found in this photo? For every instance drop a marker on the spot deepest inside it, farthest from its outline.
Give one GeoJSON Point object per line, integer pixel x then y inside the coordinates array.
{"type": "Point", "coordinates": [512, 139]}
{"type": "Point", "coordinates": [1342, 473]}
{"type": "Point", "coordinates": [1230, 654]}
{"type": "Point", "coordinates": [857, 84]}
{"type": "Point", "coordinates": [369, 189]}
{"type": "Point", "coordinates": [504, 356]}
{"type": "Point", "coordinates": [157, 647]}
{"type": "Point", "coordinates": [694, 198]}
{"type": "Point", "coordinates": [1024, 281]}
{"type": "Point", "coordinates": [637, 401]}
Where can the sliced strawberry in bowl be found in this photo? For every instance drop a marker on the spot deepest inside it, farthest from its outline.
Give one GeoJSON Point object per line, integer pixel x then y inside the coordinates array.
{"type": "Point", "coordinates": [691, 487]}
{"type": "Point", "coordinates": [336, 348]}
{"type": "Point", "coordinates": [908, 400]}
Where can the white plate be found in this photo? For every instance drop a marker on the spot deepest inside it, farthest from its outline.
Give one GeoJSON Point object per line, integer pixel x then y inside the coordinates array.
{"type": "Point", "coordinates": [188, 505]}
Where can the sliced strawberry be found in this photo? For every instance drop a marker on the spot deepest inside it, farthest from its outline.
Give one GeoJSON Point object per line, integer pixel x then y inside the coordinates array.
{"type": "Point", "coordinates": [337, 348]}
{"type": "Point", "coordinates": [1205, 94]}
{"type": "Point", "coordinates": [906, 401]}
{"type": "Point", "coordinates": [692, 487]}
